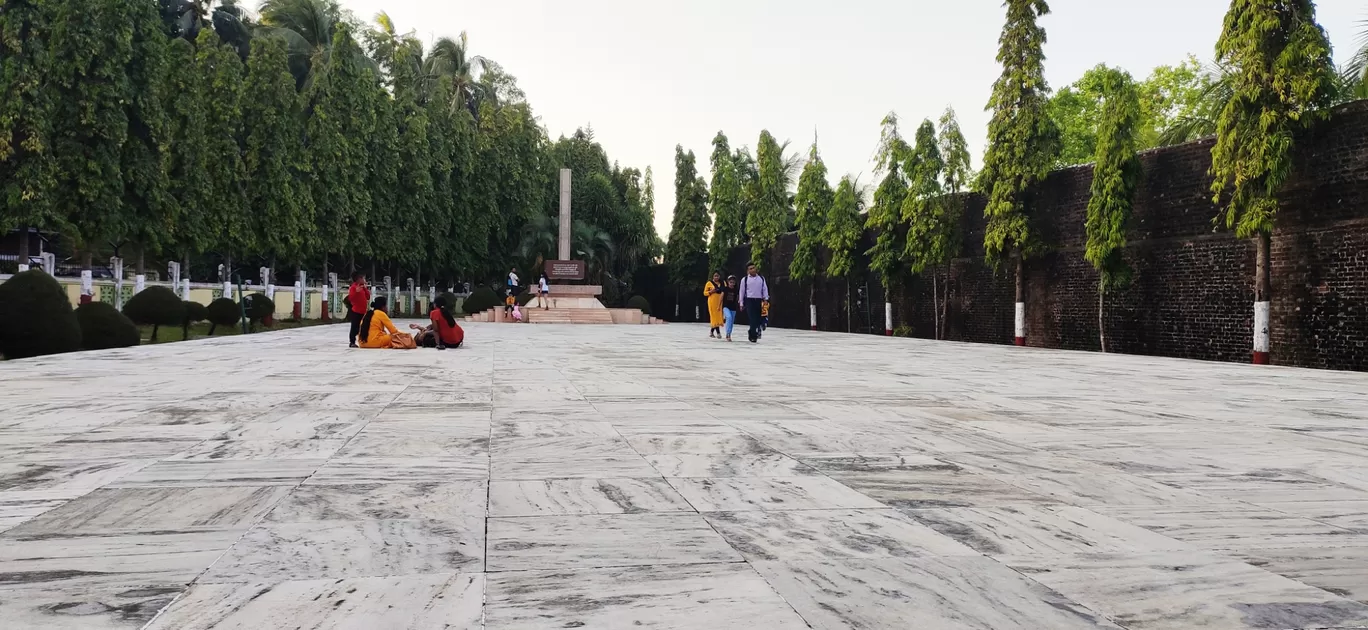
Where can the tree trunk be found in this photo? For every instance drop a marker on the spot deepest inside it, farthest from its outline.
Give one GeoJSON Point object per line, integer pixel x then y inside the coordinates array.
{"type": "Point", "coordinates": [848, 326]}
{"type": "Point", "coordinates": [935, 304]}
{"type": "Point", "coordinates": [945, 303]}
{"type": "Point", "coordinates": [1101, 319]}
{"type": "Point", "coordinates": [142, 261]}
{"type": "Point", "coordinates": [154, 333]}
{"type": "Point", "coordinates": [1020, 315]}
{"type": "Point", "coordinates": [1263, 289]}
{"type": "Point", "coordinates": [228, 268]}
{"type": "Point", "coordinates": [23, 254]}
{"type": "Point", "coordinates": [212, 328]}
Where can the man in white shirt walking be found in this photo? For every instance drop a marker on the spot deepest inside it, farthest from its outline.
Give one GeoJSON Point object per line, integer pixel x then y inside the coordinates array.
{"type": "Point", "coordinates": [754, 292]}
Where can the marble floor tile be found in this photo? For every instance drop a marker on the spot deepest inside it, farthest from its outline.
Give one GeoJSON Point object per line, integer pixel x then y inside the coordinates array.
{"type": "Point", "coordinates": [410, 602]}
{"type": "Point", "coordinates": [224, 472]}
{"type": "Point", "coordinates": [513, 430]}
{"type": "Point", "coordinates": [1113, 489]}
{"type": "Point", "coordinates": [824, 534]}
{"type": "Point", "coordinates": [1345, 514]}
{"type": "Point", "coordinates": [438, 501]}
{"type": "Point", "coordinates": [65, 562]}
{"type": "Point", "coordinates": [665, 597]}
{"type": "Point", "coordinates": [434, 445]}
{"type": "Point", "coordinates": [156, 509]}
{"type": "Point", "coordinates": [651, 444]}
{"type": "Point", "coordinates": [1041, 530]}
{"type": "Point", "coordinates": [657, 426]}
{"type": "Point", "coordinates": [583, 496]}
{"type": "Point", "coordinates": [62, 480]}
{"type": "Point", "coordinates": [356, 470]}
{"type": "Point", "coordinates": [67, 450]}
{"type": "Point", "coordinates": [1266, 486]}
{"type": "Point", "coordinates": [570, 466]}
{"type": "Point", "coordinates": [15, 512]}
{"type": "Point", "coordinates": [260, 449]}
{"type": "Point", "coordinates": [926, 485]}
{"type": "Point", "coordinates": [1338, 570]}
{"type": "Point", "coordinates": [728, 465]}
{"type": "Point", "coordinates": [349, 549]}
{"type": "Point", "coordinates": [534, 448]}
{"type": "Point", "coordinates": [587, 541]}
{"type": "Point", "coordinates": [118, 602]}
{"type": "Point", "coordinates": [945, 593]}
{"type": "Point", "coordinates": [1182, 590]}
{"type": "Point", "coordinates": [1236, 527]}
{"type": "Point", "coordinates": [733, 494]}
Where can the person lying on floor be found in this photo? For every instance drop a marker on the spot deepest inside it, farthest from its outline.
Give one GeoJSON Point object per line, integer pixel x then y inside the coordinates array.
{"type": "Point", "coordinates": [444, 332]}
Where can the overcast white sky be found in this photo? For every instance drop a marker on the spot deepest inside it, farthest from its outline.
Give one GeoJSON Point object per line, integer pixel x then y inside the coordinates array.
{"type": "Point", "coordinates": [650, 75]}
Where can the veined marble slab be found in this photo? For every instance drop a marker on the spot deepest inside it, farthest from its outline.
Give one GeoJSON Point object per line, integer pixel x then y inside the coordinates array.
{"type": "Point", "coordinates": [945, 593]}
{"type": "Point", "coordinates": [571, 465]}
{"type": "Point", "coordinates": [439, 501]}
{"type": "Point", "coordinates": [588, 541]}
{"type": "Point", "coordinates": [665, 597]}
{"type": "Point", "coordinates": [824, 534]}
{"type": "Point", "coordinates": [1338, 570]}
{"type": "Point", "coordinates": [156, 509]}
{"type": "Point", "coordinates": [392, 445]}
{"type": "Point", "coordinates": [62, 480]}
{"type": "Point", "coordinates": [1346, 514]}
{"type": "Point", "coordinates": [1116, 489]}
{"type": "Point", "coordinates": [346, 549]}
{"type": "Point", "coordinates": [651, 444]}
{"type": "Point", "coordinates": [928, 483]}
{"type": "Point", "coordinates": [532, 429]}
{"type": "Point", "coordinates": [1236, 526]}
{"type": "Point", "coordinates": [261, 449]}
{"type": "Point", "coordinates": [400, 470]}
{"type": "Point", "coordinates": [583, 496]}
{"type": "Point", "coordinates": [17, 511]}
{"type": "Point", "coordinates": [728, 465]}
{"type": "Point", "coordinates": [411, 602]}
{"type": "Point", "coordinates": [1267, 486]}
{"type": "Point", "coordinates": [115, 602]}
{"type": "Point", "coordinates": [227, 472]}
{"type": "Point", "coordinates": [73, 562]}
{"type": "Point", "coordinates": [67, 450]}
{"type": "Point", "coordinates": [1041, 530]}
{"type": "Point", "coordinates": [733, 494]}
{"type": "Point", "coordinates": [1184, 590]}
{"type": "Point", "coordinates": [533, 448]}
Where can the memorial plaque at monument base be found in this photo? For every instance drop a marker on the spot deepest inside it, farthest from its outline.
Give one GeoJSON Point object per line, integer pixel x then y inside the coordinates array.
{"type": "Point", "coordinates": [564, 269]}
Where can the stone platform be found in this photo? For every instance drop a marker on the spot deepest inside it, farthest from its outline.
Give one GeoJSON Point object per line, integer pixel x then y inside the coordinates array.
{"type": "Point", "coordinates": [648, 477]}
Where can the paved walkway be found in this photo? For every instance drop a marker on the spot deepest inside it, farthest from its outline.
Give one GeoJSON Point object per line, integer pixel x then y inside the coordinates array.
{"type": "Point", "coordinates": [647, 477]}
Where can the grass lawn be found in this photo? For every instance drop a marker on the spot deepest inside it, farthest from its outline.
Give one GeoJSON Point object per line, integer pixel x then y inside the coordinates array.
{"type": "Point", "coordinates": [201, 329]}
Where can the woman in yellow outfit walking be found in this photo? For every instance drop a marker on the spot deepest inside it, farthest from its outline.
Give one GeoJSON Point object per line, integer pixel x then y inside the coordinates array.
{"type": "Point", "coordinates": [713, 290]}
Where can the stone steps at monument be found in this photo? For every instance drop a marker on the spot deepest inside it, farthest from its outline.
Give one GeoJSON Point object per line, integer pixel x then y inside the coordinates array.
{"type": "Point", "coordinates": [568, 316]}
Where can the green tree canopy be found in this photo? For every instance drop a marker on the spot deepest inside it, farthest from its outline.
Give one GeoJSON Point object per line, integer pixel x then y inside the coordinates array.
{"type": "Point", "coordinates": [274, 160]}
{"type": "Point", "coordinates": [931, 217]}
{"type": "Point", "coordinates": [843, 228]}
{"type": "Point", "coordinates": [725, 194]}
{"type": "Point", "coordinates": [1116, 173]}
{"type": "Point", "coordinates": [1022, 138]}
{"type": "Point", "coordinates": [885, 215]}
{"type": "Point", "coordinates": [770, 204]}
{"type": "Point", "coordinates": [813, 202]}
{"type": "Point", "coordinates": [685, 249]}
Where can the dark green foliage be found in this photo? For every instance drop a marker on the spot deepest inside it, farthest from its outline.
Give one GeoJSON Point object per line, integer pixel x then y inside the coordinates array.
{"type": "Point", "coordinates": [685, 251]}
{"type": "Point", "coordinates": [26, 111]}
{"type": "Point", "coordinates": [932, 218]}
{"type": "Point", "coordinates": [155, 306]}
{"type": "Point", "coordinates": [258, 307]}
{"type": "Point", "coordinates": [194, 312]}
{"type": "Point", "coordinates": [278, 193]}
{"type": "Point", "coordinates": [481, 299]}
{"type": "Point", "coordinates": [1023, 141]}
{"type": "Point", "coordinates": [1116, 173]}
{"type": "Point", "coordinates": [638, 302]}
{"type": "Point", "coordinates": [35, 317]}
{"type": "Point", "coordinates": [725, 194]}
{"type": "Point", "coordinates": [769, 204]}
{"type": "Point", "coordinates": [885, 216]}
{"type": "Point", "coordinates": [223, 312]}
{"type": "Point", "coordinates": [103, 326]}
{"type": "Point", "coordinates": [813, 203]}
{"type": "Point", "coordinates": [843, 228]}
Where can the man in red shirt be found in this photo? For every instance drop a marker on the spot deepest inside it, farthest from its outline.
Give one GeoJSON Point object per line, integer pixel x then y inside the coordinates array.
{"type": "Point", "coordinates": [358, 297]}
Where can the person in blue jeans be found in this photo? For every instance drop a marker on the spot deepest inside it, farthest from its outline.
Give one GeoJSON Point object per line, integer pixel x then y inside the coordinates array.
{"type": "Point", "coordinates": [730, 304]}
{"type": "Point", "coordinates": [754, 292]}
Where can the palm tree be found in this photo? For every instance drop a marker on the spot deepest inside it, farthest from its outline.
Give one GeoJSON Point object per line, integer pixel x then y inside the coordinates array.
{"type": "Point", "coordinates": [451, 58]}
{"type": "Point", "coordinates": [1354, 76]}
{"type": "Point", "coordinates": [307, 26]}
{"type": "Point", "coordinates": [594, 246]}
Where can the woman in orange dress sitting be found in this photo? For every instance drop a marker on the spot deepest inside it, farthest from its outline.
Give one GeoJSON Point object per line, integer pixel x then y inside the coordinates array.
{"type": "Point", "coordinates": [376, 328]}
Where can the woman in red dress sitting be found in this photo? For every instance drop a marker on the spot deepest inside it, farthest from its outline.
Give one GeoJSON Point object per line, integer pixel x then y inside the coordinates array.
{"type": "Point", "coordinates": [444, 332]}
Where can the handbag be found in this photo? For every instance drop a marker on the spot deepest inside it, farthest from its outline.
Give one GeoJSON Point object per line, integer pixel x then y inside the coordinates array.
{"type": "Point", "coordinates": [402, 341]}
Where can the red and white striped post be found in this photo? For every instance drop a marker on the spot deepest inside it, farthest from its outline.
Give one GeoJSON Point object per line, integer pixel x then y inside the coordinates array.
{"type": "Point", "coordinates": [888, 319]}
{"type": "Point", "coordinates": [1261, 334]}
{"type": "Point", "coordinates": [299, 296]}
{"type": "Point", "coordinates": [1020, 323]}
{"type": "Point", "coordinates": [87, 286]}
{"type": "Point", "coordinates": [812, 316]}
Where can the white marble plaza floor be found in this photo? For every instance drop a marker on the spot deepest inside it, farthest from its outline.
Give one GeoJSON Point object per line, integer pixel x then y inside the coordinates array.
{"type": "Point", "coordinates": [648, 477]}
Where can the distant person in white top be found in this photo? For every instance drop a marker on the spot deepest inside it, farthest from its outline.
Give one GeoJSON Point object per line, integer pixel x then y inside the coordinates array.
{"type": "Point", "coordinates": [544, 291]}
{"type": "Point", "coordinates": [513, 278]}
{"type": "Point", "coordinates": [754, 294]}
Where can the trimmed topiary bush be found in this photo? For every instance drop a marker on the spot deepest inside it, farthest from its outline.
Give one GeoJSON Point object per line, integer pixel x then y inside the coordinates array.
{"type": "Point", "coordinates": [194, 312]}
{"type": "Point", "coordinates": [222, 312]}
{"type": "Point", "coordinates": [103, 326]}
{"type": "Point", "coordinates": [36, 317]}
{"type": "Point", "coordinates": [480, 300]}
{"type": "Point", "coordinates": [258, 308]}
{"type": "Point", "coordinates": [155, 307]}
{"type": "Point", "coordinates": [639, 303]}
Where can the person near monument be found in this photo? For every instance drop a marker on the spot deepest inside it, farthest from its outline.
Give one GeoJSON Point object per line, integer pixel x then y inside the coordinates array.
{"type": "Point", "coordinates": [377, 331]}
{"type": "Point", "coordinates": [358, 296]}
{"type": "Point", "coordinates": [730, 304]}
{"type": "Point", "coordinates": [713, 291]}
{"type": "Point", "coordinates": [754, 293]}
{"type": "Point", "coordinates": [544, 292]}
{"type": "Point", "coordinates": [513, 279]}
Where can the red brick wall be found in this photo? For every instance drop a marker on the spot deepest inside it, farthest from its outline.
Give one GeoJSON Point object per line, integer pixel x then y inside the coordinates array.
{"type": "Point", "coordinates": [1192, 292]}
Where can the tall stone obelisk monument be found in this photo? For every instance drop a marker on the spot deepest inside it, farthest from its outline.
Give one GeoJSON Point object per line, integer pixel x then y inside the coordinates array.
{"type": "Point", "coordinates": [564, 214]}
